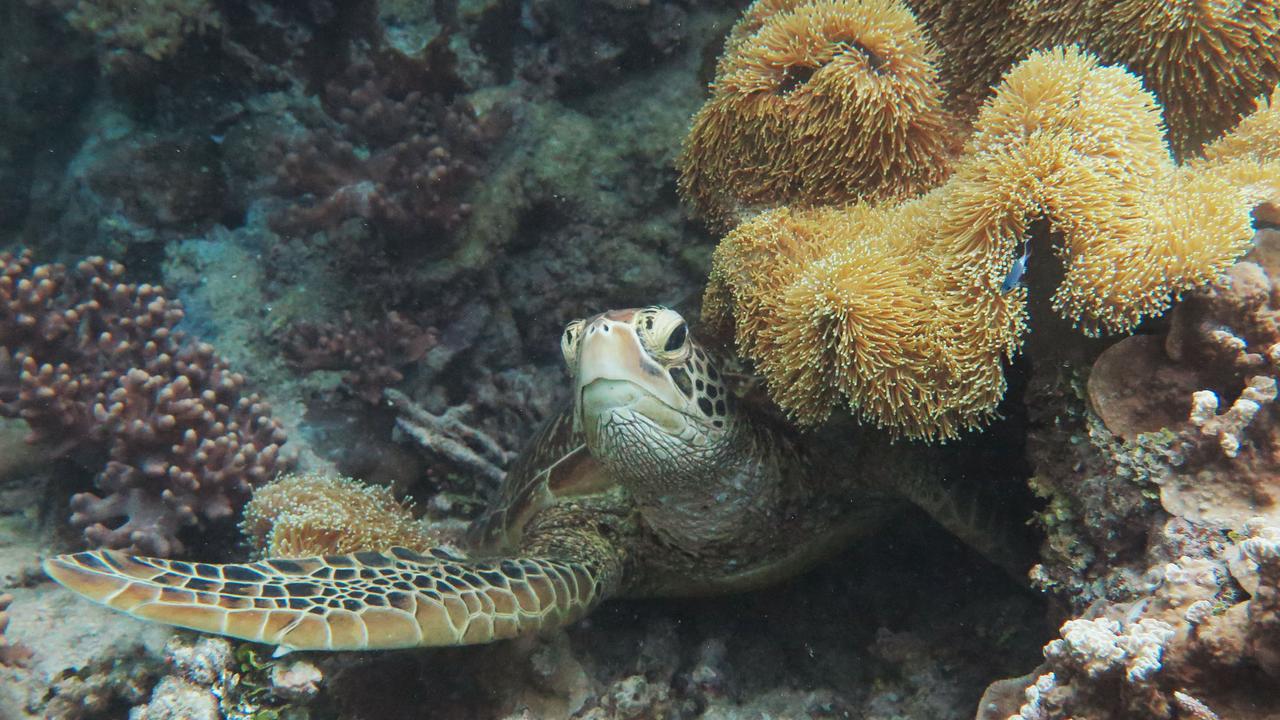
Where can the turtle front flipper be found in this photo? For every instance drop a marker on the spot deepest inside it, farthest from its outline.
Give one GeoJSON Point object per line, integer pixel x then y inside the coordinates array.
{"type": "Point", "coordinates": [363, 601]}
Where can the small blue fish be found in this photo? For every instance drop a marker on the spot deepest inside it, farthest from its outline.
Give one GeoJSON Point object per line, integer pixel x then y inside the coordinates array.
{"type": "Point", "coordinates": [1014, 278]}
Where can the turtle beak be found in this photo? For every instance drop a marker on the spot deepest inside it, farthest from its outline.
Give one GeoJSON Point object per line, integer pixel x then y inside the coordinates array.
{"type": "Point", "coordinates": [610, 354]}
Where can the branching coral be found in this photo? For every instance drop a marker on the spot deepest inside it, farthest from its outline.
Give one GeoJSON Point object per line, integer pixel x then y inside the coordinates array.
{"type": "Point", "coordinates": [828, 102]}
{"type": "Point", "coordinates": [1229, 426]}
{"type": "Point", "coordinates": [95, 364]}
{"type": "Point", "coordinates": [1199, 644]}
{"type": "Point", "coordinates": [370, 356]}
{"type": "Point", "coordinates": [1221, 349]}
{"type": "Point", "coordinates": [392, 155]}
{"type": "Point", "coordinates": [308, 514]}
{"type": "Point", "coordinates": [447, 435]}
{"type": "Point", "coordinates": [905, 309]}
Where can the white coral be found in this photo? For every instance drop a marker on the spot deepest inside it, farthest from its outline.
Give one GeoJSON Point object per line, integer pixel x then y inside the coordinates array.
{"type": "Point", "coordinates": [1037, 699]}
{"type": "Point", "coordinates": [1229, 427]}
{"type": "Point", "coordinates": [1144, 644]}
{"type": "Point", "coordinates": [1101, 646]}
{"type": "Point", "coordinates": [1090, 646]}
{"type": "Point", "coordinates": [1261, 550]}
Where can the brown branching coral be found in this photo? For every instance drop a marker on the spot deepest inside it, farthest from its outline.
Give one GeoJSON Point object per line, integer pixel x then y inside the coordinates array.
{"type": "Point", "coordinates": [96, 364]}
{"type": "Point", "coordinates": [831, 101]}
{"type": "Point", "coordinates": [906, 310]}
{"type": "Point", "coordinates": [371, 356]}
{"type": "Point", "coordinates": [393, 155]}
{"type": "Point", "coordinates": [308, 514]}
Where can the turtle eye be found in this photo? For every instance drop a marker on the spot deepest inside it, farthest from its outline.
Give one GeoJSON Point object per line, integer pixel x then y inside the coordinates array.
{"type": "Point", "coordinates": [676, 339]}
{"type": "Point", "coordinates": [663, 333]}
{"type": "Point", "coordinates": [569, 343]}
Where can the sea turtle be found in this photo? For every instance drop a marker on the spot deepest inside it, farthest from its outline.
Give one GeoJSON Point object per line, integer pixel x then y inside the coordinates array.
{"type": "Point", "coordinates": [656, 481]}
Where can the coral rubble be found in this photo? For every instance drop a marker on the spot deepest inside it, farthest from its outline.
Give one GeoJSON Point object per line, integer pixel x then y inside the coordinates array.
{"type": "Point", "coordinates": [94, 363]}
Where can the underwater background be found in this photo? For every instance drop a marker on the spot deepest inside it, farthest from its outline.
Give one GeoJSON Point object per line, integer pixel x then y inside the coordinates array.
{"type": "Point", "coordinates": [246, 240]}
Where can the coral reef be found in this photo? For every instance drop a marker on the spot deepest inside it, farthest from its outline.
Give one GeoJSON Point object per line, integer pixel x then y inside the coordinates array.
{"type": "Point", "coordinates": [832, 101]}
{"type": "Point", "coordinates": [309, 514]}
{"type": "Point", "coordinates": [129, 34]}
{"type": "Point", "coordinates": [371, 358]}
{"type": "Point", "coordinates": [575, 211]}
{"type": "Point", "coordinates": [1162, 515]}
{"type": "Point", "coordinates": [1199, 645]}
{"type": "Point", "coordinates": [1218, 346]}
{"type": "Point", "coordinates": [94, 363]}
{"type": "Point", "coordinates": [394, 154]}
{"type": "Point", "coordinates": [907, 310]}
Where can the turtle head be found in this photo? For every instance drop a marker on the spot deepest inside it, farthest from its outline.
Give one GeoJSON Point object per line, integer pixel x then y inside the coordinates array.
{"type": "Point", "coordinates": [646, 395]}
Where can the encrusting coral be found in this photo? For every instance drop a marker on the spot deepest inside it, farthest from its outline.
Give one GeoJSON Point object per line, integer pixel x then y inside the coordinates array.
{"type": "Point", "coordinates": [908, 309]}
{"type": "Point", "coordinates": [95, 364]}
{"type": "Point", "coordinates": [311, 514]}
{"type": "Point", "coordinates": [831, 101]}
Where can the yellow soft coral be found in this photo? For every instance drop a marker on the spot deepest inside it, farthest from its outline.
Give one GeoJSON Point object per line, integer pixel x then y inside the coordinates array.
{"type": "Point", "coordinates": [834, 100]}
{"type": "Point", "coordinates": [310, 514]}
{"type": "Point", "coordinates": [1204, 60]}
{"type": "Point", "coordinates": [901, 308]}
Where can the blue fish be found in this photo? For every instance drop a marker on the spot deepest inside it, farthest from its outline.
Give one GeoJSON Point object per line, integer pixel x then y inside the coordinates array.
{"type": "Point", "coordinates": [1014, 278]}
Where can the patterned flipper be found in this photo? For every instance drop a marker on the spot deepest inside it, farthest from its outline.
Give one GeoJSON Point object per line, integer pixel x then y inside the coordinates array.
{"type": "Point", "coordinates": [362, 601]}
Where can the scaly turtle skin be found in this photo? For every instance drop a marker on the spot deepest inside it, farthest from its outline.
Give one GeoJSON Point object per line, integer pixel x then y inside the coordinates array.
{"type": "Point", "coordinates": [652, 483]}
